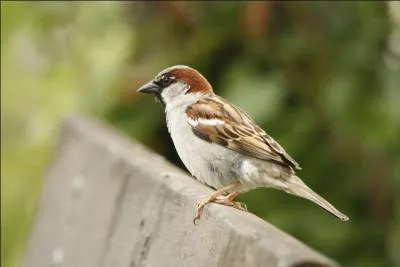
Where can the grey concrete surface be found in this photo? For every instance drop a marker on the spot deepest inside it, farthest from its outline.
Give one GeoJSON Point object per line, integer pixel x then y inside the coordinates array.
{"type": "Point", "coordinates": [110, 202]}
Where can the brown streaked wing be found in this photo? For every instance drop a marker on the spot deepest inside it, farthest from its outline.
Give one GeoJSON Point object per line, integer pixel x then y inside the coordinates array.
{"type": "Point", "coordinates": [238, 132]}
{"type": "Point", "coordinates": [274, 144]}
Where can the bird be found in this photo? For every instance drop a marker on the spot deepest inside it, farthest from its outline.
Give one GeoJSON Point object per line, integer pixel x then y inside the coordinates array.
{"type": "Point", "coordinates": [222, 146]}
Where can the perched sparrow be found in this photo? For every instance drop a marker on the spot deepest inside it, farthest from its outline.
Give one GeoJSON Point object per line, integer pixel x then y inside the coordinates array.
{"type": "Point", "coordinates": [221, 145]}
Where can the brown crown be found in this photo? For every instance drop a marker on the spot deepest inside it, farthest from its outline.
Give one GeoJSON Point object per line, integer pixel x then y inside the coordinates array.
{"type": "Point", "coordinates": [191, 77]}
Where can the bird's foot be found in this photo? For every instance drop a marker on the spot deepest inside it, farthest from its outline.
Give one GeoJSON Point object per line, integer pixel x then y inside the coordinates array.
{"type": "Point", "coordinates": [218, 197]}
{"type": "Point", "coordinates": [225, 200]}
{"type": "Point", "coordinates": [200, 208]}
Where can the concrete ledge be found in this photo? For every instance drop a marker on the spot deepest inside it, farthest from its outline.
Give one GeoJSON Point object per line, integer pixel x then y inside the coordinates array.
{"type": "Point", "coordinates": [110, 202]}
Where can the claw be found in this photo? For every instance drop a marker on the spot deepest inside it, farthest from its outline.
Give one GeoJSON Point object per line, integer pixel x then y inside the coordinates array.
{"type": "Point", "coordinates": [199, 210]}
{"type": "Point", "coordinates": [196, 217]}
{"type": "Point", "coordinates": [194, 220]}
{"type": "Point", "coordinates": [240, 206]}
{"type": "Point", "coordinates": [214, 197]}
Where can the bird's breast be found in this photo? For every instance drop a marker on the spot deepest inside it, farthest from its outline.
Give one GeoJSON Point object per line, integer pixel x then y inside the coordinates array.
{"type": "Point", "coordinates": [210, 163]}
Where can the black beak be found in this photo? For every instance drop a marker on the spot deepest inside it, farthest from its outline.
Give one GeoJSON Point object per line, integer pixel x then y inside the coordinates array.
{"type": "Point", "coordinates": [149, 88]}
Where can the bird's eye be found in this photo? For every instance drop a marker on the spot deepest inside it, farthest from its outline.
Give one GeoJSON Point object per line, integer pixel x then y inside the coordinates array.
{"type": "Point", "coordinates": [165, 81]}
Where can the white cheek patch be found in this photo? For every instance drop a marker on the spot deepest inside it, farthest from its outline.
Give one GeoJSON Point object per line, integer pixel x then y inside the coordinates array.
{"type": "Point", "coordinates": [209, 122]}
{"type": "Point", "coordinates": [174, 92]}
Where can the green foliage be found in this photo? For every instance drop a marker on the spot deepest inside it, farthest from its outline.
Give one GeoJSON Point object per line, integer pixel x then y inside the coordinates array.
{"type": "Point", "coordinates": [320, 77]}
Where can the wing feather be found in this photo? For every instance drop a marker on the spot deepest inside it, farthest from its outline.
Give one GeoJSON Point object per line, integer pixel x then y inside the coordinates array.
{"type": "Point", "coordinates": [235, 130]}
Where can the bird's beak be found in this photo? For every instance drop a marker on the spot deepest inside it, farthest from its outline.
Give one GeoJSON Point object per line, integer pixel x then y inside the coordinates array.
{"type": "Point", "coordinates": [149, 88]}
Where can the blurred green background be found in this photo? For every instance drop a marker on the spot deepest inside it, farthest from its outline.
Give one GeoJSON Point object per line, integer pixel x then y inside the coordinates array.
{"type": "Point", "coordinates": [323, 78]}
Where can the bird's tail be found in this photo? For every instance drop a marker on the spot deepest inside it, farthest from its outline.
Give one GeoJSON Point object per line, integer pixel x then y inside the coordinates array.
{"type": "Point", "coordinates": [297, 187]}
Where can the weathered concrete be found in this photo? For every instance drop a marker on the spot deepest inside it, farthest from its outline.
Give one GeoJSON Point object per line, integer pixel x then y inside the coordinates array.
{"type": "Point", "coordinates": [110, 202]}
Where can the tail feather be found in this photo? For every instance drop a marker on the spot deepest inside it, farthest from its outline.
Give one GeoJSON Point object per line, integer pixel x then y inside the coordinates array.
{"type": "Point", "coordinates": [298, 188]}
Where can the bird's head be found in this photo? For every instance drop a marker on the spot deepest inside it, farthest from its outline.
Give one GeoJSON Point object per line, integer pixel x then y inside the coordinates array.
{"type": "Point", "coordinates": [177, 84]}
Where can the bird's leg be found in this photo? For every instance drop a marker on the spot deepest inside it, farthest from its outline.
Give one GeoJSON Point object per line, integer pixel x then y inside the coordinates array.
{"type": "Point", "coordinates": [228, 201]}
{"type": "Point", "coordinates": [211, 198]}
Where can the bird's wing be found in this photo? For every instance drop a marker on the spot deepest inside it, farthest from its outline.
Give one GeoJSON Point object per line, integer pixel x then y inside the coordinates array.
{"type": "Point", "coordinates": [216, 121]}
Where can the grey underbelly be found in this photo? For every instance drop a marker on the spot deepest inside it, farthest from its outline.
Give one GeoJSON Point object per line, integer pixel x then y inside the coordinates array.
{"type": "Point", "coordinates": [218, 167]}
{"type": "Point", "coordinates": [210, 163]}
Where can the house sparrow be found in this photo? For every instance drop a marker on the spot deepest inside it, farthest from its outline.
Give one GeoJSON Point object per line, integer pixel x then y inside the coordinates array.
{"type": "Point", "coordinates": [221, 145]}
